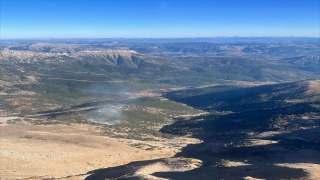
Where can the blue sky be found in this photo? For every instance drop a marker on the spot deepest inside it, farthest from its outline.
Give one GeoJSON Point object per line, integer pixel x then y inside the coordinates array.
{"type": "Point", "coordinates": [158, 18]}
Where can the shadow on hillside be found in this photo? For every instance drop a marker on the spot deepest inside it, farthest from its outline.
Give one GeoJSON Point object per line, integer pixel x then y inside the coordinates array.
{"type": "Point", "coordinates": [239, 100]}
{"type": "Point", "coordinates": [224, 141]}
{"type": "Point", "coordinates": [260, 161]}
{"type": "Point", "coordinates": [231, 144]}
{"type": "Point", "coordinates": [119, 172]}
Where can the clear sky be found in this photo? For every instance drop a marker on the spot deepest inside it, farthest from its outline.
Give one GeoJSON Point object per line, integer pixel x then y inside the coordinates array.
{"type": "Point", "coordinates": [158, 18]}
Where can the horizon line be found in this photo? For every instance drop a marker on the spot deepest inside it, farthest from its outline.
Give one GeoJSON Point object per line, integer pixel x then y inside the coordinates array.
{"type": "Point", "coordinates": [43, 38]}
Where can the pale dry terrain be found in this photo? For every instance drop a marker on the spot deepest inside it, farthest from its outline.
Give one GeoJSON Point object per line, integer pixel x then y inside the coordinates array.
{"type": "Point", "coordinates": [70, 151]}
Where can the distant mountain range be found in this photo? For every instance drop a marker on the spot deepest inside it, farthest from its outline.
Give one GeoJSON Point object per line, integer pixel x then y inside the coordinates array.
{"type": "Point", "coordinates": [234, 39]}
{"type": "Point", "coordinates": [189, 63]}
{"type": "Point", "coordinates": [254, 50]}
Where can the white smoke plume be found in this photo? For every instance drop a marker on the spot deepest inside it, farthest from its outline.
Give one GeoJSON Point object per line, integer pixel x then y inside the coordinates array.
{"type": "Point", "coordinates": [112, 112]}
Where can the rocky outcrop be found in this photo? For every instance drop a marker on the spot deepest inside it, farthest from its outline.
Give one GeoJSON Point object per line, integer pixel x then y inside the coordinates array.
{"type": "Point", "coordinates": [110, 57]}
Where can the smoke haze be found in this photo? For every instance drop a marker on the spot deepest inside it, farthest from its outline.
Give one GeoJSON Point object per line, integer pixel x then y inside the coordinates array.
{"type": "Point", "coordinates": [111, 113]}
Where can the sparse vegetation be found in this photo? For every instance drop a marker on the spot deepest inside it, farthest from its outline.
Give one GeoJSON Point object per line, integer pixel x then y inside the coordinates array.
{"type": "Point", "coordinates": [223, 163]}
